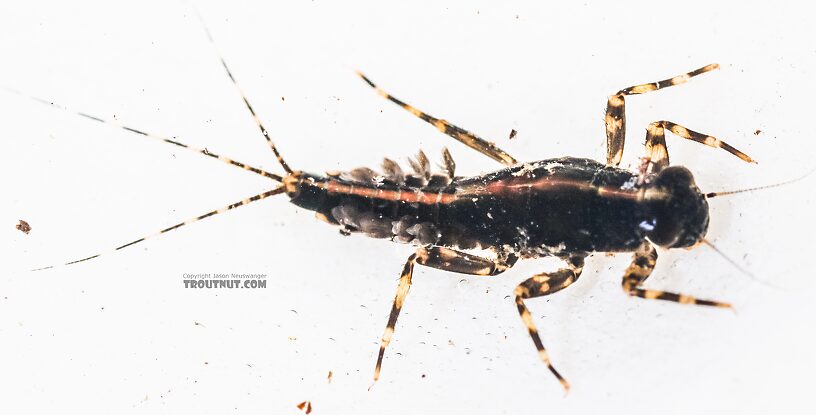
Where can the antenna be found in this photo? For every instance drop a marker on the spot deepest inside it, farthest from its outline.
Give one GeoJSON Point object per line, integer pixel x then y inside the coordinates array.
{"type": "Point", "coordinates": [731, 192]}
{"type": "Point", "coordinates": [737, 266]}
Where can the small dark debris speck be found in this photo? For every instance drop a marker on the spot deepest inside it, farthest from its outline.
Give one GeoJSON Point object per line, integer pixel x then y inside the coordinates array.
{"type": "Point", "coordinates": [23, 227]}
{"type": "Point", "coordinates": [513, 134]}
{"type": "Point", "coordinates": [305, 406]}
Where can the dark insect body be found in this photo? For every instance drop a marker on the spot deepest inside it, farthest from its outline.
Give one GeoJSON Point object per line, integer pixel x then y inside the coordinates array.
{"type": "Point", "coordinates": [545, 208]}
{"type": "Point", "coordinates": [564, 207]}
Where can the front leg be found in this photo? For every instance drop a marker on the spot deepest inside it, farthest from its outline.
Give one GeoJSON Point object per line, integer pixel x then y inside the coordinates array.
{"type": "Point", "coordinates": [440, 258]}
{"type": "Point", "coordinates": [657, 154]}
{"type": "Point", "coordinates": [615, 118]}
{"type": "Point", "coordinates": [643, 264]}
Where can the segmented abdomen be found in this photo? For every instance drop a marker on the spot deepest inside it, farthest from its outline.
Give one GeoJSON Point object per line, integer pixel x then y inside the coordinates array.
{"type": "Point", "coordinates": [378, 206]}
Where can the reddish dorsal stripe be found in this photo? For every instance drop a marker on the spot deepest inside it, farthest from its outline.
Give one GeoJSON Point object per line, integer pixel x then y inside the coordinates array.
{"type": "Point", "coordinates": [497, 188]}
{"type": "Point", "coordinates": [410, 196]}
{"type": "Point", "coordinates": [551, 183]}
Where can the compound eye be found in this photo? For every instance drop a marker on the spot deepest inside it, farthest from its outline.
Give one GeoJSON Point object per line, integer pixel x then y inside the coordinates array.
{"type": "Point", "coordinates": [676, 176]}
{"type": "Point", "coordinates": [665, 230]}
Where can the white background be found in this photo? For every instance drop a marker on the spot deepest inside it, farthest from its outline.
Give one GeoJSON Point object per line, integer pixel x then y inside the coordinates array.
{"type": "Point", "coordinates": [118, 334]}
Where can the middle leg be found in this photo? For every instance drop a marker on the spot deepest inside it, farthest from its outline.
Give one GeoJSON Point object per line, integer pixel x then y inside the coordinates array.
{"type": "Point", "coordinates": [616, 110]}
{"type": "Point", "coordinates": [541, 285]}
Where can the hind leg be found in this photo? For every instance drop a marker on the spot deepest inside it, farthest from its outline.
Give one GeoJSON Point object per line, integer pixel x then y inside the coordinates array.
{"type": "Point", "coordinates": [439, 258]}
{"type": "Point", "coordinates": [466, 137]}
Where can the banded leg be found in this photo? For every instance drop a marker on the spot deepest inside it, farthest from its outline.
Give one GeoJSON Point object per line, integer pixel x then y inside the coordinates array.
{"type": "Point", "coordinates": [643, 263]}
{"type": "Point", "coordinates": [615, 118]}
{"type": "Point", "coordinates": [658, 155]}
{"type": "Point", "coordinates": [439, 258]}
{"type": "Point", "coordinates": [541, 285]}
{"type": "Point", "coordinates": [467, 138]}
